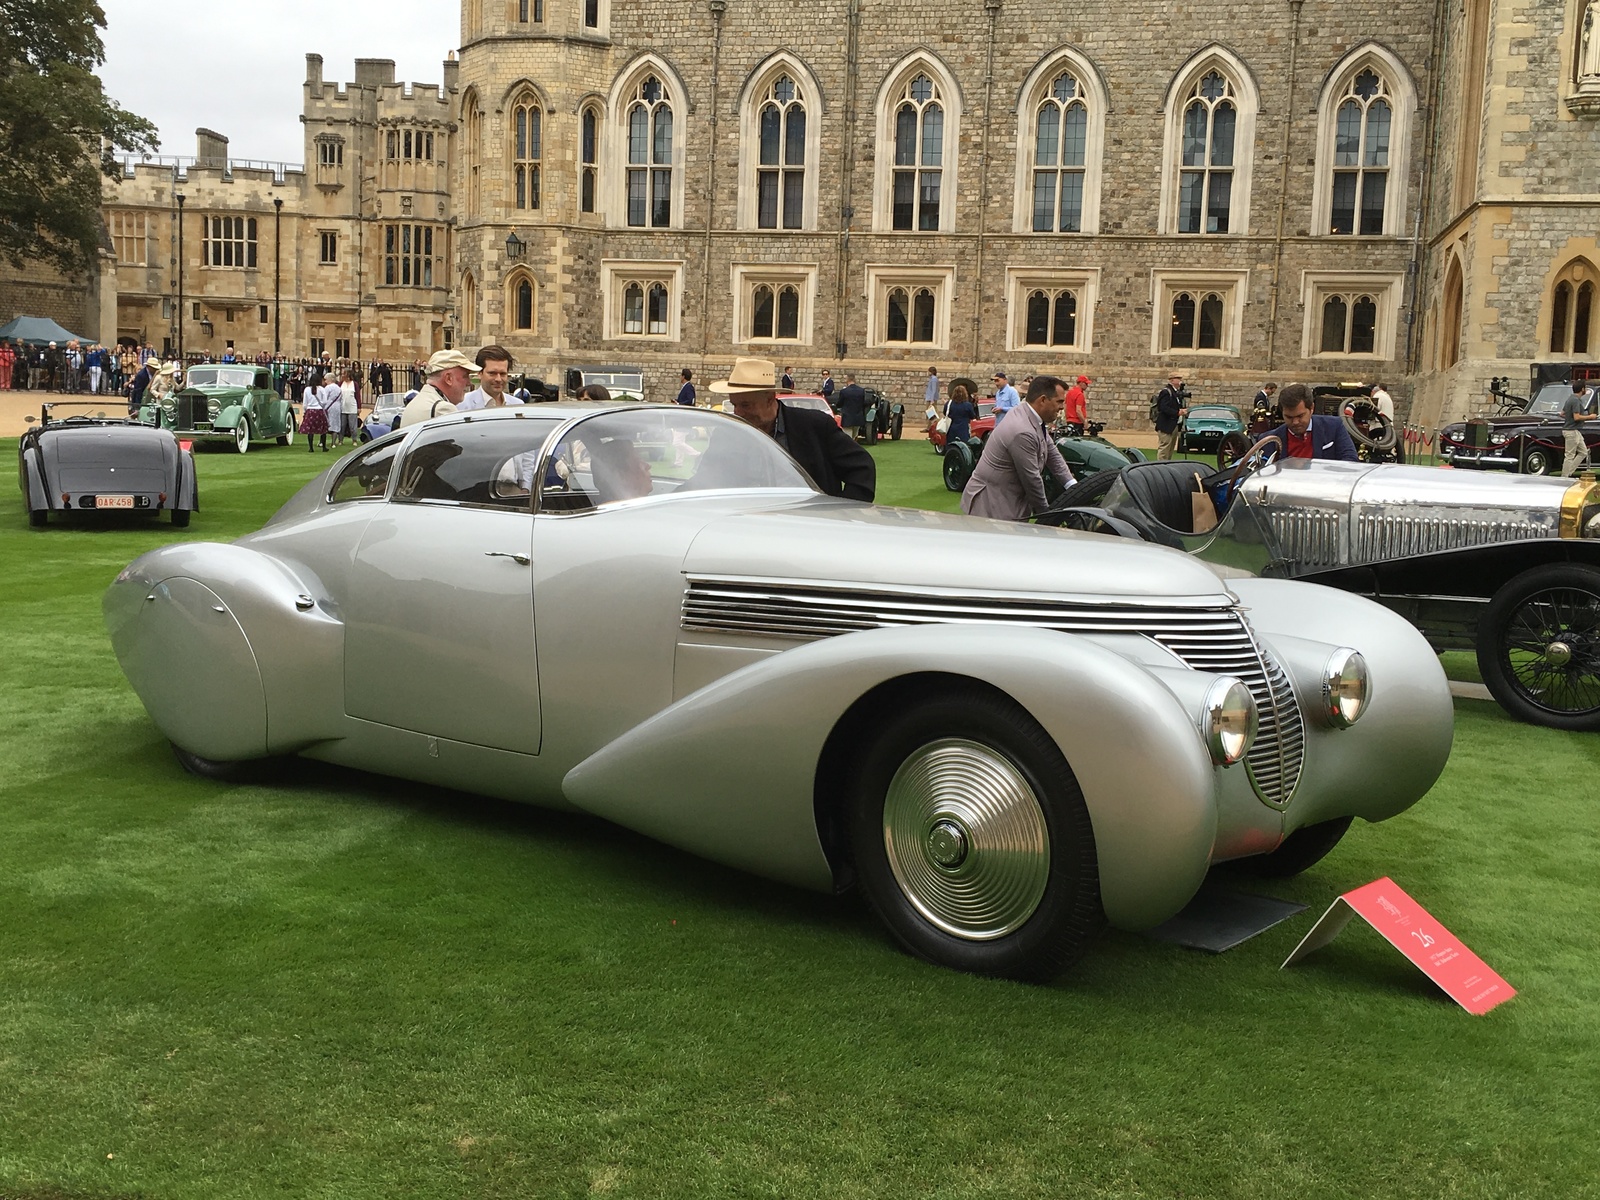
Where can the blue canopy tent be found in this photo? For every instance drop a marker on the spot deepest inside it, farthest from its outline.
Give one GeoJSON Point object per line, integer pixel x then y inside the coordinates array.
{"type": "Point", "coordinates": [37, 330]}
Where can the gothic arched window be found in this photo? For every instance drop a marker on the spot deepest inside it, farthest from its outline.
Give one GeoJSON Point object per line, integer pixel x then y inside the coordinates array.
{"type": "Point", "coordinates": [649, 159]}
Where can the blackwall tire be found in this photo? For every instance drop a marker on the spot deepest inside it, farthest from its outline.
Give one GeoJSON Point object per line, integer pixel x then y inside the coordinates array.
{"type": "Point", "coordinates": [897, 425]}
{"type": "Point", "coordinates": [1538, 461]}
{"type": "Point", "coordinates": [1539, 647]}
{"type": "Point", "coordinates": [205, 768]}
{"type": "Point", "coordinates": [971, 839]}
{"type": "Point", "coordinates": [180, 518]}
{"type": "Point", "coordinates": [958, 465]}
{"type": "Point", "coordinates": [1089, 491]}
{"type": "Point", "coordinates": [38, 518]}
{"type": "Point", "coordinates": [1301, 850]}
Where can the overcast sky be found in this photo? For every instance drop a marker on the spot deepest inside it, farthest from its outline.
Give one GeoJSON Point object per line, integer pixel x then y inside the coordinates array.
{"type": "Point", "coordinates": [238, 68]}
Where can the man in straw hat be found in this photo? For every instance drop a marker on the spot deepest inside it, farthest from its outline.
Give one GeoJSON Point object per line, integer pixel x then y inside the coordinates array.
{"type": "Point", "coordinates": [449, 375]}
{"type": "Point", "coordinates": [813, 439]}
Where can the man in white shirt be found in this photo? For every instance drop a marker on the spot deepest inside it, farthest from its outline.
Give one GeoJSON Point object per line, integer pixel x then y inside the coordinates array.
{"type": "Point", "coordinates": [494, 376]}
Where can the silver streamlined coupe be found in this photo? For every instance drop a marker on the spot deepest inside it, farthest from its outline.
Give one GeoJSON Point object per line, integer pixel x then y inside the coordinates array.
{"type": "Point", "coordinates": [1005, 735]}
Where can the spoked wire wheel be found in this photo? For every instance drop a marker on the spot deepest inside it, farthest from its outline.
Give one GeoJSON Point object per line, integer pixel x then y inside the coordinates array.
{"type": "Point", "coordinates": [966, 839]}
{"type": "Point", "coordinates": [1539, 650]}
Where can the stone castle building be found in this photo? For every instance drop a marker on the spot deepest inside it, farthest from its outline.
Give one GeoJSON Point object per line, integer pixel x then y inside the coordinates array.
{"type": "Point", "coordinates": [1279, 190]}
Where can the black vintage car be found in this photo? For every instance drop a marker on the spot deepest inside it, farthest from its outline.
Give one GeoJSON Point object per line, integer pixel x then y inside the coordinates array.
{"type": "Point", "coordinates": [1523, 434]}
{"type": "Point", "coordinates": [92, 464]}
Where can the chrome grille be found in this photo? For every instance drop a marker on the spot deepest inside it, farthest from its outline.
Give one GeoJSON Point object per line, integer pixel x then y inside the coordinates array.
{"type": "Point", "coordinates": [1206, 637]}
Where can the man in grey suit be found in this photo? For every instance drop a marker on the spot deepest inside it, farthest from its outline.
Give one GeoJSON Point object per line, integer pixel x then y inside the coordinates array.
{"type": "Point", "coordinates": [1009, 481]}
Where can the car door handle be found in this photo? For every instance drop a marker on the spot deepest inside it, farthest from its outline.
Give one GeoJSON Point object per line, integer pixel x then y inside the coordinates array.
{"type": "Point", "coordinates": [523, 559]}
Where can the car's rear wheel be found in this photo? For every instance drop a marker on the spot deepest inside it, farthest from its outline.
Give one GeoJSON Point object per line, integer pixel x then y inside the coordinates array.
{"type": "Point", "coordinates": [241, 435]}
{"type": "Point", "coordinates": [180, 518]}
{"type": "Point", "coordinates": [286, 438]}
{"type": "Point", "coordinates": [972, 841]}
{"type": "Point", "coordinates": [1539, 646]}
{"type": "Point", "coordinates": [1538, 461]}
{"type": "Point", "coordinates": [1301, 850]}
{"type": "Point", "coordinates": [38, 518]}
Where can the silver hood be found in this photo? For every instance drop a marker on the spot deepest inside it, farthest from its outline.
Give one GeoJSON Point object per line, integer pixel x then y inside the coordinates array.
{"type": "Point", "coordinates": [902, 548]}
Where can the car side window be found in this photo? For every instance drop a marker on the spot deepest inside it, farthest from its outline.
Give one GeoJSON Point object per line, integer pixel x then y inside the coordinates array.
{"type": "Point", "coordinates": [626, 455]}
{"type": "Point", "coordinates": [367, 476]}
{"type": "Point", "coordinates": [483, 464]}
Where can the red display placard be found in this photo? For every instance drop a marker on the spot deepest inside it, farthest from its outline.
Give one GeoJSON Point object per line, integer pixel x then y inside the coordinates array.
{"type": "Point", "coordinates": [1410, 929]}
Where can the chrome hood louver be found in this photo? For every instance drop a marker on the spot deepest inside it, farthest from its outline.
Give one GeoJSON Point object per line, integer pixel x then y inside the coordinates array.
{"type": "Point", "coordinates": [1207, 633]}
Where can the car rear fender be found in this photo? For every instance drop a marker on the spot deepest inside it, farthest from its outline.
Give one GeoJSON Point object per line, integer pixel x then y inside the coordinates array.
{"type": "Point", "coordinates": [289, 654]}
{"type": "Point", "coordinates": [34, 485]}
{"type": "Point", "coordinates": [734, 772]}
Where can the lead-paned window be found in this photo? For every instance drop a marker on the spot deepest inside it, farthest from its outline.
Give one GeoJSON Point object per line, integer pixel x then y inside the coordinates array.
{"type": "Point", "coordinates": [1362, 126]}
{"type": "Point", "coordinates": [408, 255]}
{"type": "Point", "coordinates": [780, 174]}
{"type": "Point", "coordinates": [229, 241]}
{"type": "Point", "coordinates": [1205, 181]}
{"type": "Point", "coordinates": [649, 179]}
{"type": "Point", "coordinates": [910, 315]}
{"type": "Point", "coordinates": [1052, 318]}
{"type": "Point", "coordinates": [917, 179]}
{"type": "Point", "coordinates": [1197, 321]}
{"type": "Point", "coordinates": [775, 312]}
{"type": "Point", "coordinates": [590, 151]}
{"type": "Point", "coordinates": [526, 152]}
{"type": "Point", "coordinates": [129, 236]}
{"type": "Point", "coordinates": [1061, 138]}
{"type": "Point", "coordinates": [1349, 324]}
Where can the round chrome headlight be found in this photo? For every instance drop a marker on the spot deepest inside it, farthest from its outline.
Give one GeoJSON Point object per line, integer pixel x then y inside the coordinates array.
{"type": "Point", "coordinates": [213, 408]}
{"type": "Point", "coordinates": [1231, 718]}
{"type": "Point", "coordinates": [1344, 688]}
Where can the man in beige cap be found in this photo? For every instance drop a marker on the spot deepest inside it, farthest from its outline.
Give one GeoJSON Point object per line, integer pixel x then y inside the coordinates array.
{"type": "Point", "coordinates": [449, 375]}
{"type": "Point", "coordinates": [813, 439]}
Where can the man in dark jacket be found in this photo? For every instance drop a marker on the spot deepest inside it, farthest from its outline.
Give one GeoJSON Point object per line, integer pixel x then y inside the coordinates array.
{"type": "Point", "coordinates": [829, 455]}
{"type": "Point", "coordinates": [852, 406]}
{"type": "Point", "coordinates": [1170, 411]}
{"type": "Point", "coordinates": [1306, 435]}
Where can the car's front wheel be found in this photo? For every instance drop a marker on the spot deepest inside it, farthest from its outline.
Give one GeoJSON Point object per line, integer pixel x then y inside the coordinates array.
{"type": "Point", "coordinates": [1231, 448]}
{"type": "Point", "coordinates": [896, 426]}
{"type": "Point", "coordinates": [1301, 850]}
{"type": "Point", "coordinates": [207, 768]}
{"type": "Point", "coordinates": [241, 435]}
{"type": "Point", "coordinates": [1539, 646]}
{"type": "Point", "coordinates": [972, 841]}
{"type": "Point", "coordinates": [958, 465]}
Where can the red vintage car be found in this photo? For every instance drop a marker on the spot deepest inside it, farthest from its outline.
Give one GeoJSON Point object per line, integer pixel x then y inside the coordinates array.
{"type": "Point", "coordinates": [982, 427]}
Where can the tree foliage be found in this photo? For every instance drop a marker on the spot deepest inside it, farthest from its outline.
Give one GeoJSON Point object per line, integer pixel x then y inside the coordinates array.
{"type": "Point", "coordinates": [58, 130]}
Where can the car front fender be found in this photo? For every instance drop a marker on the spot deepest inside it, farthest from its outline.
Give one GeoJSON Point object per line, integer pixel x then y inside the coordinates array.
{"type": "Point", "coordinates": [228, 417]}
{"type": "Point", "coordinates": [729, 772]}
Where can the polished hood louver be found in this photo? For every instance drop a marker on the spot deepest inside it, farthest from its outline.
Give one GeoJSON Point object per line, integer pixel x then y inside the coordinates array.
{"type": "Point", "coordinates": [1206, 635]}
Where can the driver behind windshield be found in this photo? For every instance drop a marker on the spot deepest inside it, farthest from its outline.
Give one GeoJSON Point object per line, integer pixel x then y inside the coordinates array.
{"type": "Point", "coordinates": [1305, 434]}
{"type": "Point", "coordinates": [620, 472]}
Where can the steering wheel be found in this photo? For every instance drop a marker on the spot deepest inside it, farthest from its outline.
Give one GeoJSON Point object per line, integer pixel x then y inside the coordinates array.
{"type": "Point", "coordinates": [1252, 460]}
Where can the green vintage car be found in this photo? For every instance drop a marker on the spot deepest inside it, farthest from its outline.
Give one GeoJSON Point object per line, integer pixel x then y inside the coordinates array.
{"type": "Point", "coordinates": [224, 401]}
{"type": "Point", "coordinates": [1207, 425]}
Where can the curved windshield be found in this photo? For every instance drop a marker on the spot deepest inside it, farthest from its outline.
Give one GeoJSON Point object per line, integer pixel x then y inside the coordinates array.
{"type": "Point", "coordinates": [240, 377]}
{"type": "Point", "coordinates": [622, 456]}
{"type": "Point", "coordinates": [1549, 400]}
{"type": "Point", "coordinates": [812, 402]}
{"type": "Point", "coordinates": [1213, 414]}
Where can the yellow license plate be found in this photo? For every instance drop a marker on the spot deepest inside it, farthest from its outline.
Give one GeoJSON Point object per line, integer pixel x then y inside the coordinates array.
{"type": "Point", "coordinates": [113, 501]}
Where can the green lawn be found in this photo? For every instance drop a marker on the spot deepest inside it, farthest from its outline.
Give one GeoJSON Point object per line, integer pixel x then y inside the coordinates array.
{"type": "Point", "coordinates": [341, 986]}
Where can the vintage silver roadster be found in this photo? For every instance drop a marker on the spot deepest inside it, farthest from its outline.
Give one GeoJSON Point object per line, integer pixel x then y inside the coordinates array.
{"type": "Point", "coordinates": [88, 464]}
{"type": "Point", "coordinates": [648, 613]}
{"type": "Point", "coordinates": [1508, 566]}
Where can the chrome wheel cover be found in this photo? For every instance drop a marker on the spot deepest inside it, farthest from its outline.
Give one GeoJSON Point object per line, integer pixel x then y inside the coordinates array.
{"type": "Point", "coordinates": [966, 839]}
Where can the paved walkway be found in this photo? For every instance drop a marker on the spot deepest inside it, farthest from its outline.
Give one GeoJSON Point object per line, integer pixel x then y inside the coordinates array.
{"type": "Point", "coordinates": [14, 406]}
